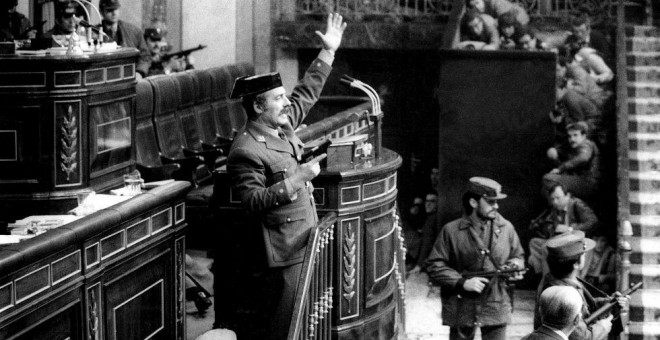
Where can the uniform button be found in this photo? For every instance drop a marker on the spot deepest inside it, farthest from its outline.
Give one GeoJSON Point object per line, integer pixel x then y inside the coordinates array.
{"type": "Point", "coordinates": [318, 64]}
{"type": "Point", "coordinates": [288, 219]}
{"type": "Point", "coordinates": [285, 170]}
{"type": "Point", "coordinates": [244, 133]}
{"type": "Point", "coordinates": [281, 191]}
{"type": "Point", "coordinates": [277, 203]}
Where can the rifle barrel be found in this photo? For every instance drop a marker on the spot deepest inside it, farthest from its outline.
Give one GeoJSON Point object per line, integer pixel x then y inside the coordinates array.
{"type": "Point", "coordinates": [608, 306]}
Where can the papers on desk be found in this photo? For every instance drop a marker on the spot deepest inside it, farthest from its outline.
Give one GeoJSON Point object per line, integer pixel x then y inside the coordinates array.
{"type": "Point", "coordinates": [98, 202]}
{"type": "Point", "coordinates": [34, 225]}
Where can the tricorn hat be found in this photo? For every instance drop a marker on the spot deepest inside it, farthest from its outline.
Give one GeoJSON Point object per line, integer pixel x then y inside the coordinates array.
{"type": "Point", "coordinates": [568, 245]}
{"type": "Point", "coordinates": [109, 4]}
{"type": "Point", "coordinates": [486, 188]}
{"type": "Point", "coordinates": [253, 85]}
{"type": "Point", "coordinates": [155, 34]}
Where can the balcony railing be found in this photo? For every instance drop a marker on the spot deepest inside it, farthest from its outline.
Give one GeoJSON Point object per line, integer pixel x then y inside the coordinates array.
{"type": "Point", "coordinates": [406, 10]}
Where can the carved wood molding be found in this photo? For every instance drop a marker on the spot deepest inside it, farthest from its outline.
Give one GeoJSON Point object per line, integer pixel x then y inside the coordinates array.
{"type": "Point", "coordinates": [69, 146]}
{"type": "Point", "coordinates": [349, 265]}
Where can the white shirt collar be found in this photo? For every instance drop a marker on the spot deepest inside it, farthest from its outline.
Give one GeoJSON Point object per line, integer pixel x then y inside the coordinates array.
{"type": "Point", "coordinates": [560, 333]}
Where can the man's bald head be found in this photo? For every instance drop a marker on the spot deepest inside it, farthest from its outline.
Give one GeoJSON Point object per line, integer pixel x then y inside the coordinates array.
{"type": "Point", "coordinates": [560, 307]}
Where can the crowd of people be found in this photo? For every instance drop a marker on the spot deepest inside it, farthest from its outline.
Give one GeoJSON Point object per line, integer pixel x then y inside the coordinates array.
{"type": "Point", "coordinates": [569, 254]}
{"type": "Point", "coordinates": [71, 20]}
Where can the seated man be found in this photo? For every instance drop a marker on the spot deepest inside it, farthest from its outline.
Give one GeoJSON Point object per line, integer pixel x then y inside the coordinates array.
{"type": "Point", "coordinates": [579, 97]}
{"type": "Point", "coordinates": [578, 165]}
{"type": "Point", "coordinates": [584, 36]}
{"type": "Point", "coordinates": [495, 8]}
{"type": "Point", "coordinates": [565, 214]}
{"type": "Point", "coordinates": [13, 25]}
{"type": "Point", "coordinates": [478, 32]}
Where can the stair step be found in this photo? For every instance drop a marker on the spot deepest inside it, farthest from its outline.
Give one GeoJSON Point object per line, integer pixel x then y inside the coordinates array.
{"type": "Point", "coordinates": [643, 142]}
{"type": "Point", "coordinates": [643, 31]}
{"type": "Point", "coordinates": [644, 123]}
{"type": "Point", "coordinates": [643, 330]}
{"type": "Point", "coordinates": [645, 252]}
{"type": "Point", "coordinates": [643, 89]}
{"type": "Point", "coordinates": [643, 44]}
{"type": "Point", "coordinates": [643, 161]}
{"type": "Point", "coordinates": [648, 181]}
{"type": "Point", "coordinates": [644, 203]}
{"type": "Point", "coordinates": [643, 59]}
{"type": "Point", "coordinates": [643, 73]}
{"type": "Point", "coordinates": [645, 226]}
{"type": "Point", "coordinates": [643, 106]}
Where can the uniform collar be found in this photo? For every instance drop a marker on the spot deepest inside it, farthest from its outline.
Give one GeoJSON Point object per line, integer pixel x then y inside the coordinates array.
{"type": "Point", "coordinates": [264, 134]}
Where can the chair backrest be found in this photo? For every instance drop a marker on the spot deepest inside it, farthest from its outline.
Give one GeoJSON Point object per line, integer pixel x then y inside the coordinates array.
{"type": "Point", "coordinates": [146, 144]}
{"type": "Point", "coordinates": [168, 128]}
{"type": "Point", "coordinates": [222, 83]}
{"type": "Point", "coordinates": [185, 112]}
{"type": "Point", "coordinates": [204, 112]}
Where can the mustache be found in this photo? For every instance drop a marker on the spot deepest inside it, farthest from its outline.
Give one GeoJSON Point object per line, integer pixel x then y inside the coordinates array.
{"type": "Point", "coordinates": [286, 110]}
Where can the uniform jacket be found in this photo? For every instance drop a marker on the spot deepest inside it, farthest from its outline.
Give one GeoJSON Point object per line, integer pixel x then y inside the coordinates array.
{"type": "Point", "coordinates": [543, 333]}
{"type": "Point", "coordinates": [259, 165]}
{"type": "Point", "coordinates": [456, 252]}
{"type": "Point", "coordinates": [590, 304]}
{"type": "Point", "coordinates": [129, 35]}
{"type": "Point", "coordinates": [578, 214]}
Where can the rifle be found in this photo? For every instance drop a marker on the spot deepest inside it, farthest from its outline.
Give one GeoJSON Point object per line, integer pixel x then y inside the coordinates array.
{"type": "Point", "coordinates": [493, 273]}
{"type": "Point", "coordinates": [606, 308]}
{"type": "Point", "coordinates": [181, 53]}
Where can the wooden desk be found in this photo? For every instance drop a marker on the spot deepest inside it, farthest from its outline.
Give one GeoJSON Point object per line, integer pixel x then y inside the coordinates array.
{"type": "Point", "coordinates": [116, 274]}
{"type": "Point", "coordinates": [66, 125]}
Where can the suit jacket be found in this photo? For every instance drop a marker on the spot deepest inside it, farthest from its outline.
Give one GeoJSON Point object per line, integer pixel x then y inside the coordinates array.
{"type": "Point", "coordinates": [590, 304]}
{"type": "Point", "coordinates": [129, 35]}
{"type": "Point", "coordinates": [543, 333]}
{"type": "Point", "coordinates": [259, 165]}
{"type": "Point", "coordinates": [579, 216]}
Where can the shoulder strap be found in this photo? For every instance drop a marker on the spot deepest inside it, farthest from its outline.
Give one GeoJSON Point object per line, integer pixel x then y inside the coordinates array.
{"type": "Point", "coordinates": [482, 247]}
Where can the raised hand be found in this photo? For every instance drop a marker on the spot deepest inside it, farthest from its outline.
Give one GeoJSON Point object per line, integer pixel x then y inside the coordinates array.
{"type": "Point", "coordinates": [333, 32]}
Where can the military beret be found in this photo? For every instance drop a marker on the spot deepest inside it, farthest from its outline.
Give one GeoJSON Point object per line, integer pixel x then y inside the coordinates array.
{"type": "Point", "coordinates": [153, 34]}
{"type": "Point", "coordinates": [109, 4]}
{"type": "Point", "coordinates": [485, 187]}
{"type": "Point", "coordinates": [568, 245]}
{"type": "Point", "coordinates": [252, 85]}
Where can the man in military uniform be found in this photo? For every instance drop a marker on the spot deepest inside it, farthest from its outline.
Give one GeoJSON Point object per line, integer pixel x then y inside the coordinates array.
{"type": "Point", "coordinates": [125, 34]}
{"type": "Point", "coordinates": [65, 19]}
{"type": "Point", "coordinates": [267, 174]}
{"type": "Point", "coordinates": [566, 254]}
{"type": "Point", "coordinates": [480, 241]}
{"type": "Point", "coordinates": [154, 38]}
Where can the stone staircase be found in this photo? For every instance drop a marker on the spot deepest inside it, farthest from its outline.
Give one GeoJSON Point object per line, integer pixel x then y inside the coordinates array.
{"type": "Point", "coordinates": [643, 103]}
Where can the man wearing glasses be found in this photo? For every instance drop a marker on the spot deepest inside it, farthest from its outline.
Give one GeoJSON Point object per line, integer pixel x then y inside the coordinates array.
{"type": "Point", "coordinates": [481, 241]}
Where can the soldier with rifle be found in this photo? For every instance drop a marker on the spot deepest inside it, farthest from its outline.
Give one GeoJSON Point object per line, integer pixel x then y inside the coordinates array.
{"type": "Point", "coordinates": [565, 259]}
{"type": "Point", "coordinates": [473, 260]}
{"type": "Point", "coordinates": [166, 63]}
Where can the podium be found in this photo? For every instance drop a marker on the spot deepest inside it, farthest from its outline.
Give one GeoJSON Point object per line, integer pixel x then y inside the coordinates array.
{"type": "Point", "coordinates": [66, 126]}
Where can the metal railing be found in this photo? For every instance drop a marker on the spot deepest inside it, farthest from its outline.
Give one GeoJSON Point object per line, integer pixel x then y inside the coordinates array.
{"type": "Point", "coordinates": [313, 304]}
{"type": "Point", "coordinates": [366, 10]}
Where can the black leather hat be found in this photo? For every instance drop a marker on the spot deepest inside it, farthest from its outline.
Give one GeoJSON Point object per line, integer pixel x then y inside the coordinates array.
{"type": "Point", "coordinates": [109, 4]}
{"type": "Point", "coordinates": [252, 85]}
{"type": "Point", "coordinates": [155, 34]}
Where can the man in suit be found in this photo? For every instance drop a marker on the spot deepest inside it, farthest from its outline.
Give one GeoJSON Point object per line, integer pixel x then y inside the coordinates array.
{"type": "Point", "coordinates": [124, 34]}
{"type": "Point", "coordinates": [560, 308]}
{"type": "Point", "coordinates": [267, 173]}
